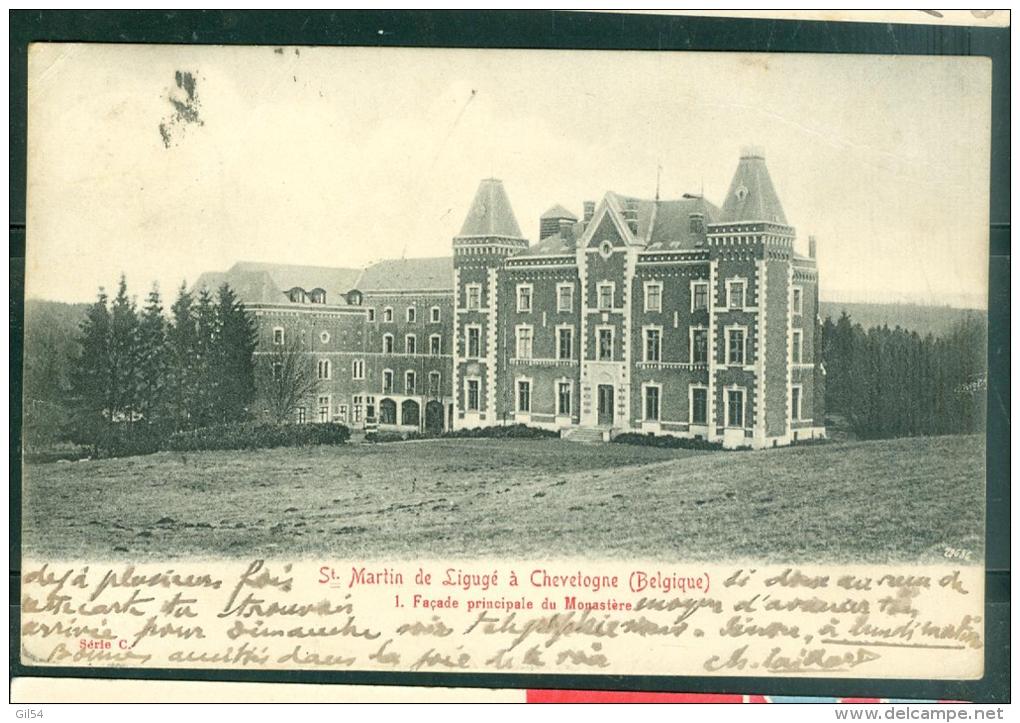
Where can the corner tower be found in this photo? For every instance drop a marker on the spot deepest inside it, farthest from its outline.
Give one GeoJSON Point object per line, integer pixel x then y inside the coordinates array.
{"type": "Point", "coordinates": [751, 252]}
{"type": "Point", "coordinates": [489, 235]}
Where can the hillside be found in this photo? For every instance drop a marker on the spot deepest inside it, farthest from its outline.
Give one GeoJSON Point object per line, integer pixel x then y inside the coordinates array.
{"type": "Point", "coordinates": [936, 320]}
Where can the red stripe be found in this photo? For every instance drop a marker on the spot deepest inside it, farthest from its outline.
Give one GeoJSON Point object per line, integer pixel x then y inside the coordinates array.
{"type": "Point", "coordinates": [611, 696]}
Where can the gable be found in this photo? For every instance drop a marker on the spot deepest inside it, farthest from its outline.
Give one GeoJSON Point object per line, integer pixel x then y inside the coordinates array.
{"type": "Point", "coordinates": [605, 229]}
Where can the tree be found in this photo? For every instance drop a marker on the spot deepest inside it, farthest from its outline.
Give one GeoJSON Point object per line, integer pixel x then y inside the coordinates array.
{"type": "Point", "coordinates": [90, 374]}
{"type": "Point", "coordinates": [153, 362]}
{"type": "Point", "coordinates": [123, 355]}
{"type": "Point", "coordinates": [286, 380]}
{"type": "Point", "coordinates": [233, 363]}
{"type": "Point", "coordinates": [181, 342]}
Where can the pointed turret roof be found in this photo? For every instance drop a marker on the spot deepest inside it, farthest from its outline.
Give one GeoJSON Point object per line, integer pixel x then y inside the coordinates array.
{"type": "Point", "coordinates": [752, 197]}
{"type": "Point", "coordinates": [558, 211]}
{"type": "Point", "coordinates": [491, 214]}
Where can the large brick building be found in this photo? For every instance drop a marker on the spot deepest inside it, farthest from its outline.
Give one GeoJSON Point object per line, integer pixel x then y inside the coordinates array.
{"type": "Point", "coordinates": [665, 316]}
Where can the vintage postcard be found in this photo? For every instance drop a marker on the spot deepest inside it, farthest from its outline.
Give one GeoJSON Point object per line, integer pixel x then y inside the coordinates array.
{"type": "Point", "coordinates": [515, 361]}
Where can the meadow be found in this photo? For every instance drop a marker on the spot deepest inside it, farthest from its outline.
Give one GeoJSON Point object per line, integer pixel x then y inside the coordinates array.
{"type": "Point", "coordinates": [878, 501]}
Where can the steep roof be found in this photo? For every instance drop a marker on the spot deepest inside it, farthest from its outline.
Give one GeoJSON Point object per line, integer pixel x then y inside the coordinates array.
{"type": "Point", "coordinates": [265, 283]}
{"type": "Point", "coordinates": [558, 211]}
{"type": "Point", "coordinates": [434, 274]}
{"type": "Point", "coordinates": [554, 245]}
{"type": "Point", "coordinates": [491, 214]}
{"type": "Point", "coordinates": [752, 197]}
{"type": "Point", "coordinates": [665, 224]}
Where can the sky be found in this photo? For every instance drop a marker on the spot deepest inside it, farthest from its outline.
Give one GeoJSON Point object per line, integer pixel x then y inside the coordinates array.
{"type": "Point", "coordinates": [345, 156]}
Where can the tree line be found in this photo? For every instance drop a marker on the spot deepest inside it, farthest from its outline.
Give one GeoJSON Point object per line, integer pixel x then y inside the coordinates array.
{"type": "Point", "coordinates": [895, 383]}
{"type": "Point", "coordinates": [142, 373]}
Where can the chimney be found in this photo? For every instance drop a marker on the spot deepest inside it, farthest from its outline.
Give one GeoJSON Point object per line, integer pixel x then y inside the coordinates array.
{"type": "Point", "coordinates": [566, 229]}
{"type": "Point", "coordinates": [812, 247]}
{"type": "Point", "coordinates": [589, 211]}
{"type": "Point", "coordinates": [630, 214]}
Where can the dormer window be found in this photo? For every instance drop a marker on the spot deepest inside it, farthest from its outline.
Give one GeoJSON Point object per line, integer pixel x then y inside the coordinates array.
{"type": "Point", "coordinates": [697, 223]}
{"type": "Point", "coordinates": [296, 295]}
{"type": "Point", "coordinates": [317, 296]}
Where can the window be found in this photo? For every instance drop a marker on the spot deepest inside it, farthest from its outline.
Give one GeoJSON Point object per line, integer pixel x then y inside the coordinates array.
{"type": "Point", "coordinates": [699, 296]}
{"type": "Point", "coordinates": [474, 342]}
{"type": "Point", "coordinates": [564, 392]}
{"type": "Point", "coordinates": [342, 412]}
{"type": "Point", "coordinates": [734, 407]}
{"type": "Point", "coordinates": [300, 415]}
{"type": "Point", "coordinates": [410, 383]}
{"type": "Point", "coordinates": [651, 403]}
{"type": "Point", "coordinates": [411, 344]}
{"type": "Point", "coordinates": [605, 350]}
{"type": "Point", "coordinates": [524, 342]}
{"type": "Point", "coordinates": [370, 406]}
{"type": "Point", "coordinates": [653, 296]}
{"type": "Point", "coordinates": [565, 343]}
{"type": "Point", "coordinates": [435, 345]}
{"type": "Point", "coordinates": [371, 315]}
{"type": "Point", "coordinates": [696, 223]}
{"type": "Point", "coordinates": [434, 314]}
{"type": "Point", "coordinates": [356, 409]}
{"type": "Point", "coordinates": [653, 345]}
{"type": "Point", "coordinates": [387, 381]}
{"type": "Point", "coordinates": [435, 387]}
{"type": "Point", "coordinates": [699, 346]}
{"type": "Point", "coordinates": [387, 343]}
{"type": "Point", "coordinates": [474, 296]}
{"type": "Point", "coordinates": [797, 350]}
{"type": "Point", "coordinates": [472, 395]}
{"type": "Point", "coordinates": [735, 346]}
{"type": "Point", "coordinates": [323, 409]}
{"type": "Point", "coordinates": [324, 337]}
{"type": "Point", "coordinates": [317, 296]}
{"type": "Point", "coordinates": [322, 369]}
{"type": "Point", "coordinates": [524, 298]}
{"type": "Point", "coordinates": [412, 315]}
{"type": "Point", "coordinates": [358, 369]}
{"type": "Point", "coordinates": [735, 294]}
{"type": "Point", "coordinates": [278, 335]}
{"type": "Point", "coordinates": [699, 405]}
{"type": "Point", "coordinates": [564, 297]}
{"type": "Point", "coordinates": [798, 301]}
{"type": "Point", "coordinates": [387, 314]}
{"type": "Point", "coordinates": [795, 405]}
{"type": "Point", "coordinates": [277, 371]}
{"type": "Point", "coordinates": [523, 396]}
{"type": "Point", "coordinates": [606, 292]}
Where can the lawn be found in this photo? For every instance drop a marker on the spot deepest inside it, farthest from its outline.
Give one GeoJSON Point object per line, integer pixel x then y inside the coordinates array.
{"type": "Point", "coordinates": [898, 500]}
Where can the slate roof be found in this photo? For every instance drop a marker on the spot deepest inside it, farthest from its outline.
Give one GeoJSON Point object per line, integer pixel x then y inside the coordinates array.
{"type": "Point", "coordinates": [558, 211]}
{"type": "Point", "coordinates": [432, 274]}
{"type": "Point", "coordinates": [491, 214]}
{"type": "Point", "coordinates": [665, 224]}
{"type": "Point", "coordinates": [554, 245]}
{"type": "Point", "coordinates": [752, 197]}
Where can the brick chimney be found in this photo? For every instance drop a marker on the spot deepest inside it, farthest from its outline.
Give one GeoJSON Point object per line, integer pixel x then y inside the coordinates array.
{"type": "Point", "coordinates": [566, 229]}
{"type": "Point", "coordinates": [630, 214]}
{"type": "Point", "coordinates": [589, 211]}
{"type": "Point", "coordinates": [812, 246]}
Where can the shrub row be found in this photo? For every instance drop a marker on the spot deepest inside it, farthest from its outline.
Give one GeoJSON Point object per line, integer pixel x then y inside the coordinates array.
{"type": "Point", "coordinates": [513, 431]}
{"type": "Point", "coordinates": [257, 435]}
{"type": "Point", "coordinates": [667, 441]}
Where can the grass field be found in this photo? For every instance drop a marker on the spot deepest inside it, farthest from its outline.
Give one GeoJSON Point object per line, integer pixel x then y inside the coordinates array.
{"type": "Point", "coordinates": [899, 500]}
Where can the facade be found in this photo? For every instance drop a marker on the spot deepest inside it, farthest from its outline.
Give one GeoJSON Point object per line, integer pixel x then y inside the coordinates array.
{"type": "Point", "coordinates": [665, 316]}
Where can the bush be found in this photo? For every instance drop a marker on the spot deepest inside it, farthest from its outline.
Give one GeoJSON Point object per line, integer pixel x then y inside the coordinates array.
{"type": "Point", "coordinates": [512, 431]}
{"type": "Point", "coordinates": [666, 441]}
{"type": "Point", "coordinates": [382, 437]}
{"type": "Point", "coordinates": [257, 435]}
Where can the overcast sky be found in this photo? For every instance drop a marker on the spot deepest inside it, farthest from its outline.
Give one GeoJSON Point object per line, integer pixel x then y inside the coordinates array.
{"type": "Point", "coordinates": [341, 157]}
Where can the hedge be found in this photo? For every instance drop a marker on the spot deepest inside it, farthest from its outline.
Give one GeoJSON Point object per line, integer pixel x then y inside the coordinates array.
{"type": "Point", "coordinates": [512, 431]}
{"type": "Point", "coordinates": [667, 441]}
{"type": "Point", "coordinates": [257, 435]}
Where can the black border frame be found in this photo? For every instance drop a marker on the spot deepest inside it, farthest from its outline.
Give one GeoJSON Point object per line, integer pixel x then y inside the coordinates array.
{"type": "Point", "coordinates": [557, 30]}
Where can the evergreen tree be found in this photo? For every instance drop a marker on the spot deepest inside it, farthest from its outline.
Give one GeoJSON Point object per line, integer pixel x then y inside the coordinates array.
{"type": "Point", "coordinates": [181, 356]}
{"type": "Point", "coordinates": [153, 362]}
{"type": "Point", "coordinates": [206, 381]}
{"type": "Point", "coordinates": [123, 355]}
{"type": "Point", "coordinates": [234, 370]}
{"type": "Point", "coordinates": [90, 374]}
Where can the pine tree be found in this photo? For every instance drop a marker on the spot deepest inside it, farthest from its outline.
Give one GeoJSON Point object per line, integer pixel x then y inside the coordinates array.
{"type": "Point", "coordinates": [206, 382]}
{"type": "Point", "coordinates": [90, 374]}
{"type": "Point", "coordinates": [123, 355]}
{"type": "Point", "coordinates": [153, 362]}
{"type": "Point", "coordinates": [234, 357]}
{"type": "Point", "coordinates": [181, 356]}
